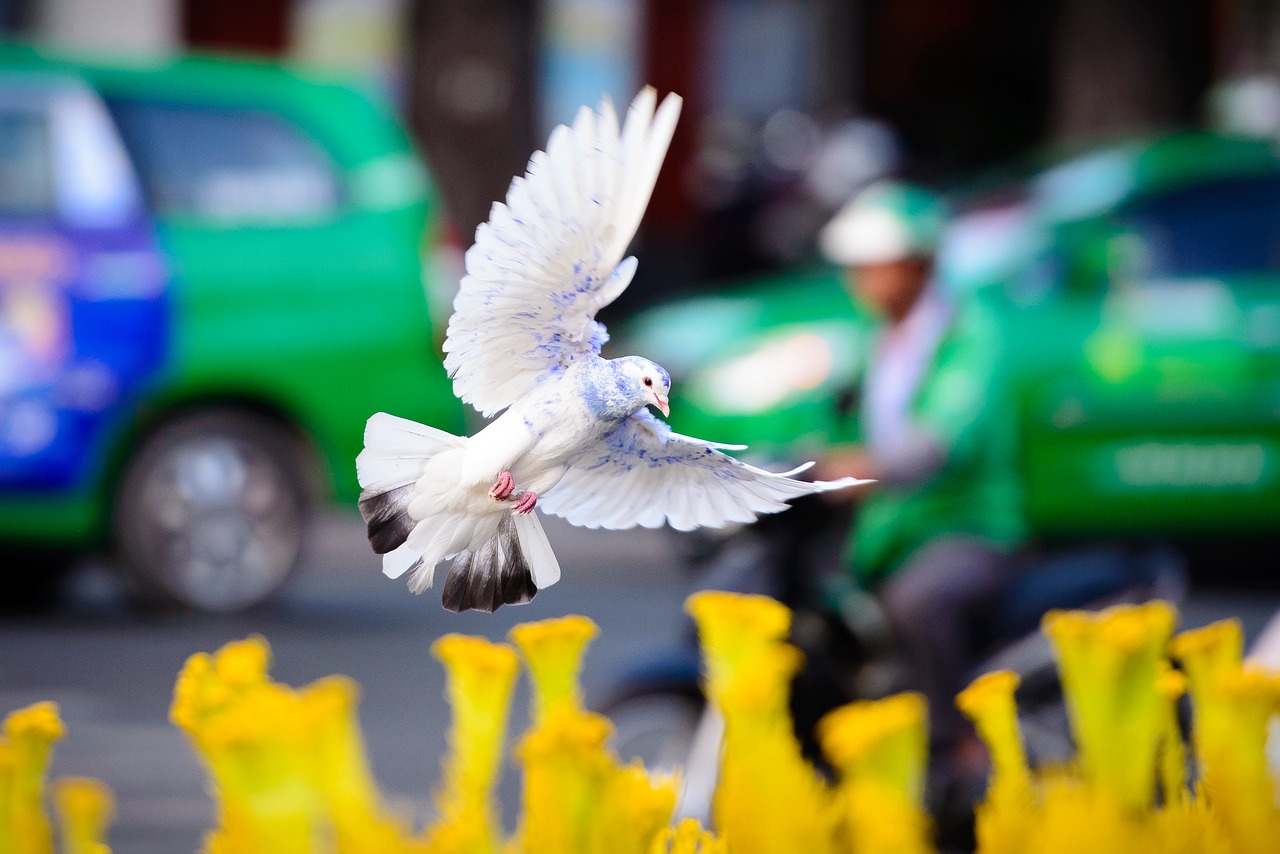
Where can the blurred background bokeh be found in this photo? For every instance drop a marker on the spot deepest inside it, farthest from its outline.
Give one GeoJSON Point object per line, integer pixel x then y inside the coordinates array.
{"type": "Point", "coordinates": [230, 230]}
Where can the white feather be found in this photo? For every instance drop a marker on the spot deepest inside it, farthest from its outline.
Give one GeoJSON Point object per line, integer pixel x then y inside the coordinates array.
{"type": "Point", "coordinates": [537, 551]}
{"type": "Point", "coordinates": [549, 258]}
{"type": "Point", "coordinates": [644, 474]}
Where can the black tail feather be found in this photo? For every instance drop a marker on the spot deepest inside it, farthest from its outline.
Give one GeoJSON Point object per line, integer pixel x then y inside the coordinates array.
{"type": "Point", "coordinates": [494, 575]}
{"type": "Point", "coordinates": [387, 515]}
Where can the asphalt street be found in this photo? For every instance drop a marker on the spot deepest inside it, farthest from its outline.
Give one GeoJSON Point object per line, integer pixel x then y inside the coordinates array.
{"type": "Point", "coordinates": [112, 670]}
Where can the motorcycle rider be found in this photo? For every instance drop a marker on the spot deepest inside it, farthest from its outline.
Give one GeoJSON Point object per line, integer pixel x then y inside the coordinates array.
{"type": "Point", "coordinates": [934, 535]}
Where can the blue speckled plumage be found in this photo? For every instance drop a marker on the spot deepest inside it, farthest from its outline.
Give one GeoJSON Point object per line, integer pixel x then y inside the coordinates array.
{"type": "Point", "coordinates": [612, 389]}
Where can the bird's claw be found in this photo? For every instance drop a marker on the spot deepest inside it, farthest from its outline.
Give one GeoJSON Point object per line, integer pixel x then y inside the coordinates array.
{"type": "Point", "coordinates": [525, 502]}
{"type": "Point", "coordinates": [504, 486]}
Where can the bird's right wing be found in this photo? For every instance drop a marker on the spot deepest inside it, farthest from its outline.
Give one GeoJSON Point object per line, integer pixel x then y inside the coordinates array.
{"type": "Point", "coordinates": [551, 257]}
{"type": "Point", "coordinates": [645, 474]}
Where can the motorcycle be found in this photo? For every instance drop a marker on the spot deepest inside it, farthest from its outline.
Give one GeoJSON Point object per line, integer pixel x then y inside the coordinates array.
{"type": "Point", "coordinates": [662, 717]}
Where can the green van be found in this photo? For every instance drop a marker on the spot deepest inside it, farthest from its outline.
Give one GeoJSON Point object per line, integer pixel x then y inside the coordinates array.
{"type": "Point", "coordinates": [211, 274]}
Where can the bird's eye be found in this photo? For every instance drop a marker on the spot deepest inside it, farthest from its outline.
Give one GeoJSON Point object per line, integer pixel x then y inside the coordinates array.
{"type": "Point", "coordinates": [648, 381]}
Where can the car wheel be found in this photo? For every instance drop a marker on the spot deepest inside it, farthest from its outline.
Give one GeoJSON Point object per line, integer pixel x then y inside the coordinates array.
{"type": "Point", "coordinates": [33, 581]}
{"type": "Point", "coordinates": [658, 728]}
{"type": "Point", "coordinates": [211, 510]}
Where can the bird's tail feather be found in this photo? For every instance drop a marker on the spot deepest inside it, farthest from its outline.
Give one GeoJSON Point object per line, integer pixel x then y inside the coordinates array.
{"type": "Point", "coordinates": [395, 454]}
{"type": "Point", "coordinates": [500, 559]}
{"type": "Point", "coordinates": [493, 574]}
{"type": "Point", "coordinates": [537, 550]}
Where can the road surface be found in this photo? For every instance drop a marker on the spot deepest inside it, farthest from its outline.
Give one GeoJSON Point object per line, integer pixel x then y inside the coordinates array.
{"type": "Point", "coordinates": [112, 671]}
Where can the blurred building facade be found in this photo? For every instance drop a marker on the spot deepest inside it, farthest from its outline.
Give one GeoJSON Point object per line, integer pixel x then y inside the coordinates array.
{"type": "Point", "coordinates": [791, 105]}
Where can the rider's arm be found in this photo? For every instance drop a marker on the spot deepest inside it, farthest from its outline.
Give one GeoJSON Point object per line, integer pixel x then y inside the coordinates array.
{"type": "Point", "coordinates": [957, 401]}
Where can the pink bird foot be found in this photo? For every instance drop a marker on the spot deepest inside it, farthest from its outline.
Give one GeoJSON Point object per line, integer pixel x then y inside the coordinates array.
{"type": "Point", "coordinates": [505, 485]}
{"type": "Point", "coordinates": [525, 502]}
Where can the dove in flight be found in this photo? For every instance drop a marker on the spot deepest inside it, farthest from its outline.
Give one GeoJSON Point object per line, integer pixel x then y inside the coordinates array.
{"type": "Point", "coordinates": [575, 436]}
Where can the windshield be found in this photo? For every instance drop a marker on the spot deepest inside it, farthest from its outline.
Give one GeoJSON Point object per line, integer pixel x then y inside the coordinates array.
{"type": "Point", "coordinates": [986, 245]}
{"type": "Point", "coordinates": [26, 176]}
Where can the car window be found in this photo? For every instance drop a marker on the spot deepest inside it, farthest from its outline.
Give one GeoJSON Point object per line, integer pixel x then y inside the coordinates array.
{"type": "Point", "coordinates": [1213, 229]}
{"type": "Point", "coordinates": [26, 174]}
{"type": "Point", "coordinates": [227, 164]}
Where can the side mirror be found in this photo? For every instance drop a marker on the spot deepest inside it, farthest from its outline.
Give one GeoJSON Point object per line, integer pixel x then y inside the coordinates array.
{"type": "Point", "coordinates": [1100, 254]}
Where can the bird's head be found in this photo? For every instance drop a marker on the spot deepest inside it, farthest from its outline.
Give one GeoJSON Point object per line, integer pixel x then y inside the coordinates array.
{"type": "Point", "coordinates": [645, 382]}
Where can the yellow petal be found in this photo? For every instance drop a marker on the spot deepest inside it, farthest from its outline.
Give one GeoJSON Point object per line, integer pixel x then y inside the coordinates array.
{"type": "Point", "coordinates": [565, 769]}
{"type": "Point", "coordinates": [634, 809]}
{"type": "Point", "coordinates": [481, 678]}
{"type": "Point", "coordinates": [1237, 781]}
{"type": "Point", "coordinates": [989, 703]}
{"type": "Point", "coordinates": [340, 769]}
{"type": "Point", "coordinates": [84, 808]}
{"type": "Point", "coordinates": [243, 663]}
{"type": "Point", "coordinates": [769, 798]}
{"type": "Point", "coordinates": [885, 741]}
{"type": "Point", "coordinates": [553, 650]}
{"type": "Point", "coordinates": [688, 837]}
{"type": "Point", "coordinates": [30, 735]}
{"type": "Point", "coordinates": [1109, 662]}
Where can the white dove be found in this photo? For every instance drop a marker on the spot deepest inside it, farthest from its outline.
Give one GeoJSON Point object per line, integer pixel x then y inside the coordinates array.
{"type": "Point", "coordinates": [576, 438]}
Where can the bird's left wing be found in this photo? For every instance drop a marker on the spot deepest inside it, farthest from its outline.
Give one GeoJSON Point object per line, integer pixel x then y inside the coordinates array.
{"type": "Point", "coordinates": [643, 473]}
{"type": "Point", "coordinates": [551, 256]}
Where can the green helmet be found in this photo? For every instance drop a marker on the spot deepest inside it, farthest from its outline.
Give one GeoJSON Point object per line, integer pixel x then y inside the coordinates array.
{"type": "Point", "coordinates": [888, 221]}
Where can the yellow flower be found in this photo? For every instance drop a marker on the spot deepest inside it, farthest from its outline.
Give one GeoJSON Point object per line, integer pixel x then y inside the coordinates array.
{"type": "Point", "coordinates": [340, 769]}
{"type": "Point", "coordinates": [1109, 663]}
{"type": "Point", "coordinates": [634, 810]}
{"type": "Point", "coordinates": [734, 629]}
{"type": "Point", "coordinates": [84, 808]}
{"type": "Point", "coordinates": [1187, 826]}
{"type": "Point", "coordinates": [989, 703]}
{"type": "Point", "coordinates": [244, 663]}
{"type": "Point", "coordinates": [481, 678]}
{"type": "Point", "coordinates": [769, 798]}
{"type": "Point", "coordinates": [885, 741]}
{"type": "Point", "coordinates": [1230, 707]}
{"type": "Point", "coordinates": [553, 651]}
{"type": "Point", "coordinates": [1004, 819]}
{"type": "Point", "coordinates": [194, 693]}
{"type": "Point", "coordinates": [1237, 780]}
{"type": "Point", "coordinates": [24, 763]}
{"type": "Point", "coordinates": [576, 795]}
{"type": "Point", "coordinates": [255, 737]}
{"type": "Point", "coordinates": [1076, 816]}
{"type": "Point", "coordinates": [687, 837]}
{"type": "Point", "coordinates": [565, 770]}
{"type": "Point", "coordinates": [258, 749]}
{"type": "Point", "coordinates": [880, 749]}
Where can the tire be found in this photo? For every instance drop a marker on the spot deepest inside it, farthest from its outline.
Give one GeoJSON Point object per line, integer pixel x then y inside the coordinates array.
{"type": "Point", "coordinates": [32, 585]}
{"type": "Point", "coordinates": [657, 728]}
{"type": "Point", "coordinates": [210, 513]}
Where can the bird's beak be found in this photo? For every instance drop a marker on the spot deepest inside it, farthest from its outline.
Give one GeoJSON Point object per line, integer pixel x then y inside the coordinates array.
{"type": "Point", "coordinates": [661, 403]}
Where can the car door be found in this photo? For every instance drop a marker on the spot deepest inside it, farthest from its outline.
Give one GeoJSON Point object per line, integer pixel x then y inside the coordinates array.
{"type": "Point", "coordinates": [1170, 422]}
{"type": "Point", "coordinates": [82, 286]}
{"type": "Point", "coordinates": [293, 291]}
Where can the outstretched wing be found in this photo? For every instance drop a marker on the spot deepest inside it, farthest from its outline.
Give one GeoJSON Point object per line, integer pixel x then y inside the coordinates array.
{"type": "Point", "coordinates": [551, 257]}
{"type": "Point", "coordinates": [643, 473]}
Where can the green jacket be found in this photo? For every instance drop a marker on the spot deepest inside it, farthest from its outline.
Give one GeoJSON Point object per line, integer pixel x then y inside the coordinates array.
{"type": "Point", "coordinates": [964, 404]}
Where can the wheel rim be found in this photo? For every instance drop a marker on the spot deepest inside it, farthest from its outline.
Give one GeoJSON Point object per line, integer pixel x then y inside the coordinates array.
{"type": "Point", "coordinates": [656, 728]}
{"type": "Point", "coordinates": [221, 523]}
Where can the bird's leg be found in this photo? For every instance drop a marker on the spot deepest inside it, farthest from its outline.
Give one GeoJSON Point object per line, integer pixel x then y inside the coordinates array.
{"type": "Point", "coordinates": [504, 486]}
{"type": "Point", "coordinates": [525, 502]}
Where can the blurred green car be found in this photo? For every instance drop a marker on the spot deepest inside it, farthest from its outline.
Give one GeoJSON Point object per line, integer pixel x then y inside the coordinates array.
{"type": "Point", "coordinates": [211, 274]}
{"type": "Point", "coordinates": [1140, 288]}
